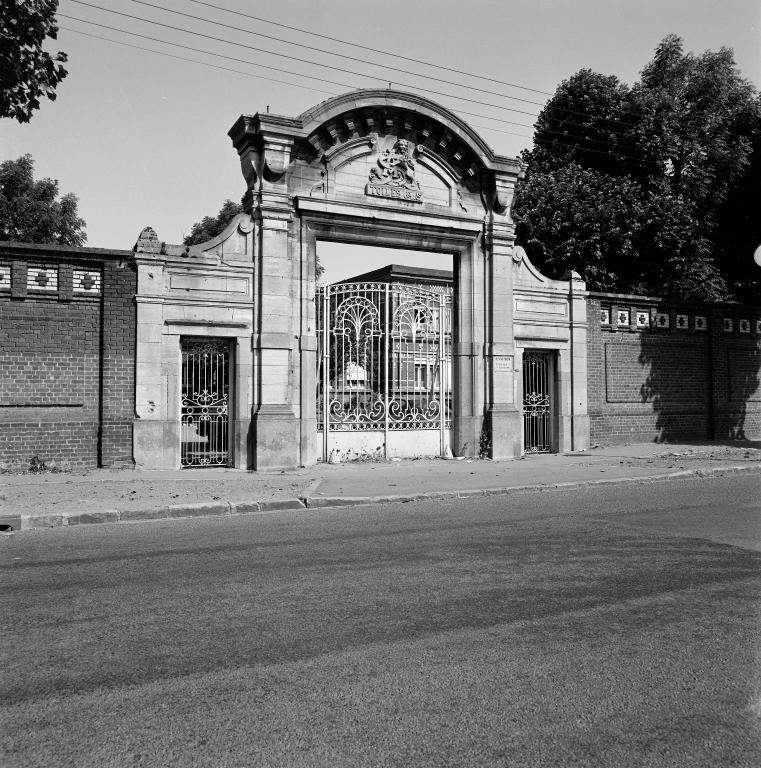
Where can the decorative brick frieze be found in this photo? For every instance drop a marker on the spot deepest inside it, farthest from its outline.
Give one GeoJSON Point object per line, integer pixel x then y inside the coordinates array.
{"type": "Point", "coordinates": [654, 318]}
{"type": "Point", "coordinates": [42, 278]}
{"type": "Point", "coordinates": [5, 276]}
{"type": "Point", "coordinates": [87, 282]}
{"type": "Point", "coordinates": [643, 320]}
{"type": "Point", "coordinates": [622, 318]}
{"type": "Point", "coordinates": [18, 279]}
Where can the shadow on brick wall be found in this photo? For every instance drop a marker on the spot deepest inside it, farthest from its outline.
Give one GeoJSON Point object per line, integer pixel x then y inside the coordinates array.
{"type": "Point", "coordinates": [702, 386]}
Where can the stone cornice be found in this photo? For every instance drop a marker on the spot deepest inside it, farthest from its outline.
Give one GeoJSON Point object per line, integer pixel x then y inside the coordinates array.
{"type": "Point", "coordinates": [10, 248]}
{"type": "Point", "coordinates": [322, 207]}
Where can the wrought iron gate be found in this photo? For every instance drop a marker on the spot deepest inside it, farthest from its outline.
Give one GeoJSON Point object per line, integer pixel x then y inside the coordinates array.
{"type": "Point", "coordinates": [384, 384]}
{"type": "Point", "coordinates": [205, 412]}
{"type": "Point", "coordinates": [537, 402]}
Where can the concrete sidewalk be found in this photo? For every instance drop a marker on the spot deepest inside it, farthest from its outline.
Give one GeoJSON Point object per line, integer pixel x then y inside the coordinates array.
{"type": "Point", "coordinates": [54, 499]}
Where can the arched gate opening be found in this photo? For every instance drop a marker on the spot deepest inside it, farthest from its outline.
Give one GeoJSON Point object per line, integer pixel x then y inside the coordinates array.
{"type": "Point", "coordinates": [374, 167]}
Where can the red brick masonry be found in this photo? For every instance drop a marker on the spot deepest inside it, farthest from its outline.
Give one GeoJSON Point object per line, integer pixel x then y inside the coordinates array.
{"type": "Point", "coordinates": [67, 355]}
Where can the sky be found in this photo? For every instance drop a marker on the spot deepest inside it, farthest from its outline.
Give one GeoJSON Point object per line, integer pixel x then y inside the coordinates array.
{"type": "Point", "coordinates": [141, 138]}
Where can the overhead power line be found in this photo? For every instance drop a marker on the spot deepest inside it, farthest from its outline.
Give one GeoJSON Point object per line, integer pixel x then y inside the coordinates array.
{"type": "Point", "coordinates": [395, 54]}
{"type": "Point", "coordinates": [195, 61]}
{"type": "Point", "coordinates": [255, 64]}
{"type": "Point", "coordinates": [618, 147]}
{"type": "Point", "coordinates": [331, 53]}
{"type": "Point", "coordinates": [260, 77]}
{"type": "Point", "coordinates": [294, 58]}
{"type": "Point", "coordinates": [329, 66]}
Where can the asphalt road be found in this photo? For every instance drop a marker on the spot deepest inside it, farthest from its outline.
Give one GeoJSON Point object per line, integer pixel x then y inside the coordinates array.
{"type": "Point", "coordinates": [606, 627]}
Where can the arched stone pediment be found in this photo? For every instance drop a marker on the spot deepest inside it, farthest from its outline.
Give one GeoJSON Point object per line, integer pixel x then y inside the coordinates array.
{"type": "Point", "coordinates": [403, 114]}
{"type": "Point", "coordinates": [338, 148]}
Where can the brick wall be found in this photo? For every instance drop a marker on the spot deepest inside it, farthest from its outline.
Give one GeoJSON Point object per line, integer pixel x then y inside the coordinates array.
{"type": "Point", "coordinates": [118, 363]}
{"type": "Point", "coordinates": [661, 371]}
{"type": "Point", "coordinates": [67, 339]}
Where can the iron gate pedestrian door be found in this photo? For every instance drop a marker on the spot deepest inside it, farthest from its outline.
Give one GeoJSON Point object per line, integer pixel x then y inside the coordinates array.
{"type": "Point", "coordinates": [384, 384]}
{"type": "Point", "coordinates": [537, 402]}
{"type": "Point", "coordinates": [205, 412]}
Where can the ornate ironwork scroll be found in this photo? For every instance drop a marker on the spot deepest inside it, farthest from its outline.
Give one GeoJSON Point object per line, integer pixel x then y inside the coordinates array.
{"type": "Point", "coordinates": [386, 358]}
{"type": "Point", "coordinates": [205, 413]}
{"type": "Point", "coordinates": [420, 349]}
{"type": "Point", "coordinates": [537, 402]}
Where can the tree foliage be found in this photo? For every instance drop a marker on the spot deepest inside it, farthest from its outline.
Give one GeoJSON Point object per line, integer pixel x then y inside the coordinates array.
{"type": "Point", "coordinates": [211, 226]}
{"type": "Point", "coordinates": [631, 186]}
{"type": "Point", "coordinates": [27, 72]}
{"type": "Point", "coordinates": [31, 211]}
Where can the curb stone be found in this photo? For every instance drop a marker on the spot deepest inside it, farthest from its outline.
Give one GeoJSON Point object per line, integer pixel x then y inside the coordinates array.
{"type": "Point", "coordinates": [245, 507]}
{"type": "Point", "coordinates": [129, 515]}
{"type": "Point", "coordinates": [29, 522]}
{"type": "Point", "coordinates": [227, 508]}
{"type": "Point", "coordinates": [200, 509]}
{"type": "Point", "coordinates": [281, 504]}
{"type": "Point", "coordinates": [319, 502]}
{"type": "Point", "coordinates": [91, 518]}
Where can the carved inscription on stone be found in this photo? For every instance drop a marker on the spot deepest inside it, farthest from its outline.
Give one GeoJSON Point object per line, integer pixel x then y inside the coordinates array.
{"type": "Point", "coordinates": [394, 176]}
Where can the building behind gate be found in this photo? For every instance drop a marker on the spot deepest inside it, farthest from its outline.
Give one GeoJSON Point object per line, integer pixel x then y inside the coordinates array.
{"type": "Point", "coordinates": [226, 354]}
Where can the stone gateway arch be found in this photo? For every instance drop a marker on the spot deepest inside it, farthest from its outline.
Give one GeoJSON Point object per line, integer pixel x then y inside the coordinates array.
{"type": "Point", "coordinates": [373, 167]}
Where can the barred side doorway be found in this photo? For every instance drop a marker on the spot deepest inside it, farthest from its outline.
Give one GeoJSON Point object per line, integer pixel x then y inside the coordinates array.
{"type": "Point", "coordinates": [384, 379]}
{"type": "Point", "coordinates": [205, 399]}
{"type": "Point", "coordinates": [538, 401]}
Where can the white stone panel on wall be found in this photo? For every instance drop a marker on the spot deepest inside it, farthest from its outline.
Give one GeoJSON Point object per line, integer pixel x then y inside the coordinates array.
{"type": "Point", "coordinates": [208, 283]}
{"type": "Point", "coordinates": [538, 307]}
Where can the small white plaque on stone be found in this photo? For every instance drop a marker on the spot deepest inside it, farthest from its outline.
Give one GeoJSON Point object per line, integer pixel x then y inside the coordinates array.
{"type": "Point", "coordinates": [503, 363]}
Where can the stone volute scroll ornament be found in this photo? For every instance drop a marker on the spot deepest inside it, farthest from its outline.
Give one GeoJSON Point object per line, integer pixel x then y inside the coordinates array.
{"type": "Point", "coordinates": [394, 175]}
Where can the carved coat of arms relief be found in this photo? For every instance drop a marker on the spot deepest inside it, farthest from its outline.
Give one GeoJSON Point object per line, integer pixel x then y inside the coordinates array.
{"type": "Point", "coordinates": [394, 175]}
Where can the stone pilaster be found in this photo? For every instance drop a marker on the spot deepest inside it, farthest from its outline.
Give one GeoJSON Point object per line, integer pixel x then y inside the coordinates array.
{"type": "Point", "coordinates": [467, 352]}
{"type": "Point", "coordinates": [275, 424]}
{"type": "Point", "coordinates": [578, 428]}
{"type": "Point", "coordinates": [304, 251]}
{"type": "Point", "coordinates": [502, 416]}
